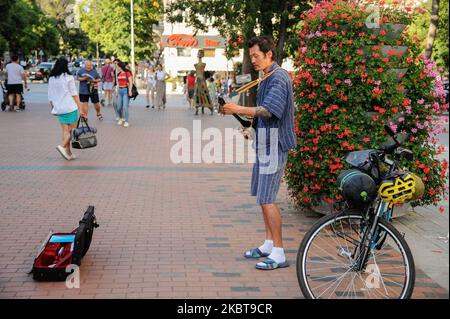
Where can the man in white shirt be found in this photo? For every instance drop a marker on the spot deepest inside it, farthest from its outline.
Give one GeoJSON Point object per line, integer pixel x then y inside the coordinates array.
{"type": "Point", "coordinates": [15, 75]}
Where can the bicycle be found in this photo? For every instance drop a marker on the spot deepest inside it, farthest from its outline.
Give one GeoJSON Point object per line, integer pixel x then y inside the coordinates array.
{"type": "Point", "coordinates": [356, 252]}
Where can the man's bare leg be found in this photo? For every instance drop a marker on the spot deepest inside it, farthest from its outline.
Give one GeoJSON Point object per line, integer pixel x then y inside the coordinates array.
{"type": "Point", "coordinates": [85, 108]}
{"type": "Point", "coordinates": [18, 100]}
{"type": "Point", "coordinates": [11, 102]}
{"type": "Point", "coordinates": [272, 219]}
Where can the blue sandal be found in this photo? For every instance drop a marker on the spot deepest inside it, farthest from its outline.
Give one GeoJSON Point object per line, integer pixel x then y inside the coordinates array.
{"type": "Point", "coordinates": [270, 264]}
{"type": "Point", "coordinates": [255, 253]}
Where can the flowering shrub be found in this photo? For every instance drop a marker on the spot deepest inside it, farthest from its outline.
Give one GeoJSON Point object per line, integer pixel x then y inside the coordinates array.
{"type": "Point", "coordinates": [349, 83]}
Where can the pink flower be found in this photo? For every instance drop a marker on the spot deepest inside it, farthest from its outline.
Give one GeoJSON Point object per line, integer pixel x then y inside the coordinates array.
{"type": "Point", "coordinates": [378, 82]}
{"type": "Point", "coordinates": [348, 81]}
{"type": "Point", "coordinates": [420, 101]}
{"type": "Point", "coordinates": [394, 127]}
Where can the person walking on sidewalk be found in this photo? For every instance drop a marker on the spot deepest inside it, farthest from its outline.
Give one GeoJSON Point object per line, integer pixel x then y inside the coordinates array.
{"type": "Point", "coordinates": [150, 88]}
{"type": "Point", "coordinates": [108, 80]}
{"type": "Point", "coordinates": [15, 75]}
{"type": "Point", "coordinates": [125, 83]}
{"type": "Point", "coordinates": [89, 80]}
{"type": "Point", "coordinates": [190, 86]}
{"type": "Point", "coordinates": [212, 89]}
{"type": "Point", "coordinates": [275, 136]}
{"type": "Point", "coordinates": [65, 103]}
{"type": "Point", "coordinates": [161, 77]}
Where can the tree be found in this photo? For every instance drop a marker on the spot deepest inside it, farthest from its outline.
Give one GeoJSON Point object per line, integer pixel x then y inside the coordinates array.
{"type": "Point", "coordinates": [421, 27]}
{"type": "Point", "coordinates": [238, 21]}
{"type": "Point", "coordinates": [24, 27]}
{"type": "Point", "coordinates": [108, 22]}
{"type": "Point", "coordinates": [63, 12]}
{"type": "Point", "coordinates": [433, 27]}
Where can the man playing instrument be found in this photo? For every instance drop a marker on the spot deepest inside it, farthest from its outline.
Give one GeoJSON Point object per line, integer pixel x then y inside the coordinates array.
{"type": "Point", "coordinates": [275, 136]}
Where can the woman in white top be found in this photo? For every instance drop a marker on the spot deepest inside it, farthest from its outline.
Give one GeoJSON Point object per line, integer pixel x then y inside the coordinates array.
{"type": "Point", "coordinates": [151, 85]}
{"type": "Point", "coordinates": [161, 77]}
{"type": "Point", "coordinates": [65, 103]}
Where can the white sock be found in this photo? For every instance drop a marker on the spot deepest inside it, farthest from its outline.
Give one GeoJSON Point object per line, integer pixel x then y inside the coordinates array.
{"type": "Point", "coordinates": [277, 254]}
{"type": "Point", "coordinates": [266, 247]}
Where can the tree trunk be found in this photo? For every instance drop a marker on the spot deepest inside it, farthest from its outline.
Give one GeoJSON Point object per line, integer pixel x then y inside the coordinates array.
{"type": "Point", "coordinates": [247, 68]}
{"type": "Point", "coordinates": [433, 27]}
{"type": "Point", "coordinates": [282, 33]}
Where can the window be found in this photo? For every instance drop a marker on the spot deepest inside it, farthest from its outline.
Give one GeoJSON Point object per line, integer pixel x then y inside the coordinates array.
{"type": "Point", "coordinates": [184, 52]}
{"type": "Point", "coordinates": [210, 53]}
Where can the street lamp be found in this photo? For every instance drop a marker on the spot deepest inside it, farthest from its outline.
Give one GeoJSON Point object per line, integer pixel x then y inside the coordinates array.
{"type": "Point", "coordinates": [132, 37]}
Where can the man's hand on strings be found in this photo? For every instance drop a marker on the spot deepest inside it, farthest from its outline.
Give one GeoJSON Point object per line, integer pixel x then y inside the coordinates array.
{"type": "Point", "coordinates": [231, 108]}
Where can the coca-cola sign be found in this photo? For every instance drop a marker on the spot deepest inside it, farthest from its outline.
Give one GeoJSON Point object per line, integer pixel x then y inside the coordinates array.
{"type": "Point", "coordinates": [182, 40]}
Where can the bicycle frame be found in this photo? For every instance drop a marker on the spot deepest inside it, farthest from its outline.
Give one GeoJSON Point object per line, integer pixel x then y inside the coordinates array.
{"type": "Point", "coordinates": [382, 210]}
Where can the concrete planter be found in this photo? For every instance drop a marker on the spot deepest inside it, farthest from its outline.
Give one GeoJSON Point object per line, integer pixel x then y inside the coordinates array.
{"type": "Point", "coordinates": [393, 30]}
{"type": "Point", "coordinates": [393, 50]}
{"type": "Point", "coordinates": [397, 73]}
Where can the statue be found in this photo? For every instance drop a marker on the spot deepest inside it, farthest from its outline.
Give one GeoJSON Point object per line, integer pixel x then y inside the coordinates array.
{"type": "Point", "coordinates": [202, 98]}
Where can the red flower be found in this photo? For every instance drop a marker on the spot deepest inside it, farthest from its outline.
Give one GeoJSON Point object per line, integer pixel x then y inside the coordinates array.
{"type": "Point", "coordinates": [379, 70]}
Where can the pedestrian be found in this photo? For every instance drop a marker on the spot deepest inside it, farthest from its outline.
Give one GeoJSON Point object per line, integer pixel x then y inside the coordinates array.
{"type": "Point", "coordinates": [150, 87]}
{"type": "Point", "coordinates": [15, 75]}
{"type": "Point", "coordinates": [274, 116]}
{"type": "Point", "coordinates": [212, 91]}
{"type": "Point", "coordinates": [89, 81]}
{"type": "Point", "coordinates": [224, 84]}
{"type": "Point", "coordinates": [108, 80]}
{"type": "Point", "coordinates": [190, 87]}
{"type": "Point", "coordinates": [125, 83]}
{"type": "Point", "coordinates": [65, 103]}
{"type": "Point", "coordinates": [161, 77]}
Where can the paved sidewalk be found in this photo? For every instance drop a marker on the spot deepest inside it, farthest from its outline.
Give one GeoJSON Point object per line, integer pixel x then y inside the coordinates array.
{"type": "Point", "coordinates": [166, 230]}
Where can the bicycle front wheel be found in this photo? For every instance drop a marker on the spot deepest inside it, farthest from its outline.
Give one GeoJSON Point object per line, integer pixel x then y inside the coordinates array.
{"type": "Point", "coordinates": [329, 254]}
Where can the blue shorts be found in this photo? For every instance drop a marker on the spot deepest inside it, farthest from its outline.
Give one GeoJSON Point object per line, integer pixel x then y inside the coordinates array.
{"type": "Point", "coordinates": [266, 177]}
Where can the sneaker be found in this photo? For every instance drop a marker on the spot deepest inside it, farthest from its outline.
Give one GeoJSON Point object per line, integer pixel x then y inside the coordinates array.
{"type": "Point", "coordinates": [117, 119]}
{"type": "Point", "coordinates": [126, 124]}
{"type": "Point", "coordinates": [63, 152]}
{"type": "Point", "coordinates": [73, 156]}
{"type": "Point", "coordinates": [120, 122]}
{"type": "Point", "coordinates": [147, 106]}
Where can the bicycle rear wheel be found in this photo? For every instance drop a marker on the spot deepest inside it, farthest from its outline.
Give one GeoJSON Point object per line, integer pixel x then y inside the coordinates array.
{"type": "Point", "coordinates": [328, 255]}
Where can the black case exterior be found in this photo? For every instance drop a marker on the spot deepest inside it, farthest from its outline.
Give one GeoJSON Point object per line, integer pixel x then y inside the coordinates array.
{"type": "Point", "coordinates": [83, 238]}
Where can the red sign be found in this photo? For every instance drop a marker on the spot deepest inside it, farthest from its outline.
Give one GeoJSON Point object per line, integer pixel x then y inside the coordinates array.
{"type": "Point", "coordinates": [182, 40]}
{"type": "Point", "coordinates": [211, 43]}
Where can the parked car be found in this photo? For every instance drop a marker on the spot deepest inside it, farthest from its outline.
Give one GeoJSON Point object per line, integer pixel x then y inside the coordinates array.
{"type": "Point", "coordinates": [41, 72]}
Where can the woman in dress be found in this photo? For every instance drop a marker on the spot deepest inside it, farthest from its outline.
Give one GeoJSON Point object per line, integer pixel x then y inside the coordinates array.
{"type": "Point", "coordinates": [161, 77]}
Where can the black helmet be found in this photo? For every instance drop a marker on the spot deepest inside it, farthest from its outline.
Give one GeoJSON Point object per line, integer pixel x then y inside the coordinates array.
{"type": "Point", "coordinates": [358, 188]}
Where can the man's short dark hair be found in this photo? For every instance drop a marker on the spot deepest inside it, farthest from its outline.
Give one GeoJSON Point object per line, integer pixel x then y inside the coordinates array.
{"type": "Point", "coordinates": [265, 44]}
{"type": "Point", "coordinates": [15, 58]}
